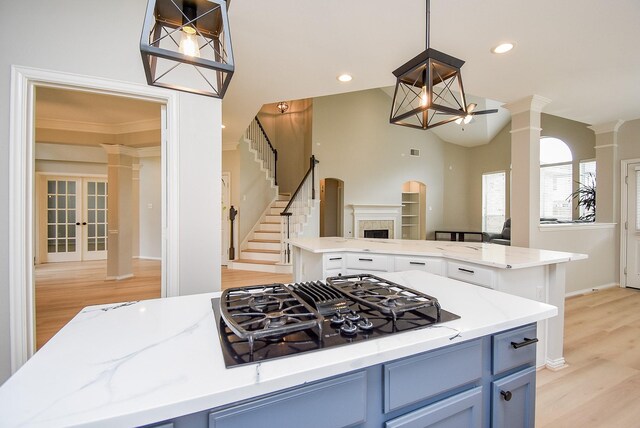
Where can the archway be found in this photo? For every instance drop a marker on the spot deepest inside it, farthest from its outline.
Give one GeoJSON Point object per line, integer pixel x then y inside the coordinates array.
{"type": "Point", "coordinates": [331, 207]}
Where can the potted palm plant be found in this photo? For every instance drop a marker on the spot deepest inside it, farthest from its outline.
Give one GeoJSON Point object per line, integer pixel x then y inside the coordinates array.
{"type": "Point", "coordinates": [586, 197]}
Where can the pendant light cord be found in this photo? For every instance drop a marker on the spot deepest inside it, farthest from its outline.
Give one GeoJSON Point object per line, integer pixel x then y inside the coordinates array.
{"type": "Point", "coordinates": [427, 24]}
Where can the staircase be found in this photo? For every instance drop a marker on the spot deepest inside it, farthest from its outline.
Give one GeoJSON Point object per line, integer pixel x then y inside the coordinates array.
{"type": "Point", "coordinates": [262, 250]}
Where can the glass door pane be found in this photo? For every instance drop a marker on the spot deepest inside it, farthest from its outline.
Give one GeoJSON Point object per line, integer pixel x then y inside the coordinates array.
{"type": "Point", "coordinates": [96, 215]}
{"type": "Point", "coordinates": [61, 218]}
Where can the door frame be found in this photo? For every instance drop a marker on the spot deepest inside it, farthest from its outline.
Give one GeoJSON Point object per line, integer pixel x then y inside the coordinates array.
{"type": "Point", "coordinates": [226, 175]}
{"type": "Point", "coordinates": [624, 165]}
{"type": "Point", "coordinates": [24, 80]}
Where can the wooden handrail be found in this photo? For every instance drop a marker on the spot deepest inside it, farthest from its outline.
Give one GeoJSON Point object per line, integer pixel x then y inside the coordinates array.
{"type": "Point", "coordinates": [312, 165]}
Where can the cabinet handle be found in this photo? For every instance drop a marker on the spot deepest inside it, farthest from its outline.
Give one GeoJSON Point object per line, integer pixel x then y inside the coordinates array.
{"type": "Point", "coordinates": [524, 343]}
{"type": "Point", "coordinates": [366, 260]}
{"type": "Point", "coordinates": [84, 223]}
{"type": "Point", "coordinates": [335, 258]}
{"type": "Point", "coordinates": [506, 395]}
{"type": "Point", "coordinates": [466, 270]}
{"type": "Point", "coordinates": [417, 263]}
{"type": "Point", "coordinates": [77, 223]}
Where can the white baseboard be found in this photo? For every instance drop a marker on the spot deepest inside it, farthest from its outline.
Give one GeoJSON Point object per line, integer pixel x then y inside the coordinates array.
{"type": "Point", "coordinates": [148, 258]}
{"type": "Point", "coordinates": [557, 364]}
{"type": "Point", "coordinates": [591, 290]}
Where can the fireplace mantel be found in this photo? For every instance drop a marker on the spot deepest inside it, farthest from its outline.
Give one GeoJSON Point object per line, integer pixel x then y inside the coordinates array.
{"type": "Point", "coordinates": [377, 213]}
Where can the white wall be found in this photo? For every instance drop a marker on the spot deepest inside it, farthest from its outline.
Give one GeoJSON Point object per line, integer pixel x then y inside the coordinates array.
{"type": "Point", "coordinates": [354, 142]}
{"type": "Point", "coordinates": [150, 208]}
{"type": "Point", "coordinates": [97, 38]}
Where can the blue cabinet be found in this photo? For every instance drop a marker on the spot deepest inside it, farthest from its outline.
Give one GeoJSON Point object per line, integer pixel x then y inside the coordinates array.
{"type": "Point", "coordinates": [513, 400]}
{"type": "Point", "coordinates": [481, 383]}
{"type": "Point", "coordinates": [461, 410]}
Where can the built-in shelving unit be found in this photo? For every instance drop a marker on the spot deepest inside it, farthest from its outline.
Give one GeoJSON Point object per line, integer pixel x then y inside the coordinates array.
{"type": "Point", "coordinates": [410, 215]}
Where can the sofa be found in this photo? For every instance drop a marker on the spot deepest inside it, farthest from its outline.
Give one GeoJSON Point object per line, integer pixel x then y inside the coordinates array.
{"type": "Point", "coordinates": [502, 238]}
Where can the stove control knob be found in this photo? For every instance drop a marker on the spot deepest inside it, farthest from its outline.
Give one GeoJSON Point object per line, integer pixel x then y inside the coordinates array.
{"type": "Point", "coordinates": [353, 316]}
{"type": "Point", "coordinates": [365, 324]}
{"type": "Point", "coordinates": [337, 318]}
{"type": "Point", "coordinates": [349, 328]}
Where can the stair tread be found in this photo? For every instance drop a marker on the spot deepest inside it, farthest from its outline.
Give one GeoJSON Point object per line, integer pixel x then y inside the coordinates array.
{"type": "Point", "coordinates": [256, 262]}
{"type": "Point", "coordinates": [265, 241]}
{"type": "Point", "coordinates": [262, 251]}
{"type": "Point", "coordinates": [270, 222]}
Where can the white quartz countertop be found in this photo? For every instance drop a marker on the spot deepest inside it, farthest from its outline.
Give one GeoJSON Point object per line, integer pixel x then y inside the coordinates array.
{"type": "Point", "coordinates": [500, 256]}
{"type": "Point", "coordinates": [141, 362]}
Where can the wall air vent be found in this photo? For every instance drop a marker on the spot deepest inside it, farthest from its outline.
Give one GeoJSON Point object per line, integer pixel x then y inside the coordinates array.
{"type": "Point", "coordinates": [415, 152]}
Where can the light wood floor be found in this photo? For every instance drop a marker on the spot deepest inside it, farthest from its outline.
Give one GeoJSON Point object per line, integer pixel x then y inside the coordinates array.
{"type": "Point", "coordinates": [601, 386]}
{"type": "Point", "coordinates": [63, 289]}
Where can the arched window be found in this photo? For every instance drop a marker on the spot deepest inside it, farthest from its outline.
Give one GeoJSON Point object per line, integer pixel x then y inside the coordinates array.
{"type": "Point", "coordinates": [555, 179]}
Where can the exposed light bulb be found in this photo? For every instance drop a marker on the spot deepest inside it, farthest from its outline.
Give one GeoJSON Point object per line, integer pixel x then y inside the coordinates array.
{"type": "Point", "coordinates": [189, 42]}
{"type": "Point", "coordinates": [424, 98]}
{"type": "Point", "coordinates": [467, 119]}
{"type": "Point", "coordinates": [459, 120]}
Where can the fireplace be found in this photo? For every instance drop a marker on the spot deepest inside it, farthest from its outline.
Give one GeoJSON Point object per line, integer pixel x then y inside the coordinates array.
{"type": "Point", "coordinates": [377, 233]}
{"type": "Point", "coordinates": [376, 218]}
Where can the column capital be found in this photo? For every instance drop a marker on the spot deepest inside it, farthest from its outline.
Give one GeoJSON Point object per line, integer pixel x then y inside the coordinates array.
{"type": "Point", "coordinates": [606, 127]}
{"type": "Point", "coordinates": [531, 103]}
{"type": "Point", "coordinates": [118, 149]}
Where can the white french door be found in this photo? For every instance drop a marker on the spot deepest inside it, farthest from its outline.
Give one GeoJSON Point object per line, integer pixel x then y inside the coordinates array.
{"type": "Point", "coordinates": [72, 218]}
{"type": "Point", "coordinates": [632, 269]}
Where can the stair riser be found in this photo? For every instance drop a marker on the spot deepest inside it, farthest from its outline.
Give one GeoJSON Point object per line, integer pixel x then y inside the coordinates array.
{"type": "Point", "coordinates": [263, 246]}
{"type": "Point", "coordinates": [266, 227]}
{"type": "Point", "coordinates": [267, 235]}
{"type": "Point", "coordinates": [279, 204]}
{"type": "Point", "coordinates": [261, 268]}
{"type": "Point", "coordinates": [275, 211]}
{"type": "Point", "coordinates": [272, 218]}
{"type": "Point", "coordinates": [284, 198]}
{"type": "Point", "coordinates": [259, 256]}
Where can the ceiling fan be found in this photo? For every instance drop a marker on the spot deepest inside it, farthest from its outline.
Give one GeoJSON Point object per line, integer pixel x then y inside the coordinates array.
{"type": "Point", "coordinates": [470, 113]}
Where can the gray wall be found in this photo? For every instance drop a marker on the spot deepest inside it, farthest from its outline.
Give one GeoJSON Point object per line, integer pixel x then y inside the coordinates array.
{"type": "Point", "coordinates": [150, 208]}
{"type": "Point", "coordinates": [354, 142]}
{"type": "Point", "coordinates": [108, 48]}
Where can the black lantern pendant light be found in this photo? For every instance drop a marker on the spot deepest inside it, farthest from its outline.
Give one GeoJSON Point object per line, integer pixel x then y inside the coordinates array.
{"type": "Point", "coordinates": [429, 90]}
{"type": "Point", "coordinates": [186, 46]}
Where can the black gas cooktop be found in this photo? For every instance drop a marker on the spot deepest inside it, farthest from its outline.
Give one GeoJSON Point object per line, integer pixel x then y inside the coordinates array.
{"type": "Point", "coordinates": [263, 322]}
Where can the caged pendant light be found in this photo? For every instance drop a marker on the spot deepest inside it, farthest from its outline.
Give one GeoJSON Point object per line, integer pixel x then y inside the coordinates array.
{"type": "Point", "coordinates": [429, 90]}
{"type": "Point", "coordinates": [186, 46]}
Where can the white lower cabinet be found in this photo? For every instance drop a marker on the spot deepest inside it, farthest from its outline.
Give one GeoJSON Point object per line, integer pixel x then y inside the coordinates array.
{"type": "Point", "coordinates": [427, 264]}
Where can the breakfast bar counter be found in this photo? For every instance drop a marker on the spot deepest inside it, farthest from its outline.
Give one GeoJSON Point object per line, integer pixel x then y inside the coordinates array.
{"type": "Point", "coordinates": [160, 361]}
{"type": "Point", "coordinates": [525, 272]}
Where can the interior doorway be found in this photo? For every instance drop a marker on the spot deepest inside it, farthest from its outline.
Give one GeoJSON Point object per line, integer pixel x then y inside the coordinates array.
{"type": "Point", "coordinates": [631, 238]}
{"type": "Point", "coordinates": [414, 210]}
{"type": "Point", "coordinates": [331, 207]}
{"type": "Point", "coordinates": [225, 226]}
{"type": "Point", "coordinates": [84, 251]}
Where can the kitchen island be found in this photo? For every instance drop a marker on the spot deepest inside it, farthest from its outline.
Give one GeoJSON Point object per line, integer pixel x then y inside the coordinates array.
{"type": "Point", "coordinates": [525, 272]}
{"type": "Point", "coordinates": [154, 361]}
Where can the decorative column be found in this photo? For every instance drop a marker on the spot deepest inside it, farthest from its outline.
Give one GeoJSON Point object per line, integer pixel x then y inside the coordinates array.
{"type": "Point", "coordinates": [119, 218]}
{"type": "Point", "coordinates": [607, 172]}
{"type": "Point", "coordinates": [525, 168]}
{"type": "Point", "coordinates": [135, 208]}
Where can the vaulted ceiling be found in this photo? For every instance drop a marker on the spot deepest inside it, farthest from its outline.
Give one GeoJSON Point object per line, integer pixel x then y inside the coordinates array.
{"type": "Point", "coordinates": [581, 54]}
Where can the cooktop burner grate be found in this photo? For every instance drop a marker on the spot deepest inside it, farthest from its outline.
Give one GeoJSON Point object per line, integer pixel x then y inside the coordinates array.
{"type": "Point", "coordinates": [385, 296]}
{"type": "Point", "coordinates": [266, 311]}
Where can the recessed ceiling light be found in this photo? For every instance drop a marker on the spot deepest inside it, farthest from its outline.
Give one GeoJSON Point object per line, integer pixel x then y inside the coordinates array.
{"type": "Point", "coordinates": [223, 126]}
{"type": "Point", "coordinates": [502, 48]}
{"type": "Point", "coordinates": [345, 78]}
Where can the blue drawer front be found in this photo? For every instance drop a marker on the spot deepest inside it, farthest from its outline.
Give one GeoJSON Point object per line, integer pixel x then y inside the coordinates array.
{"type": "Point", "coordinates": [461, 410]}
{"type": "Point", "coordinates": [334, 403]}
{"type": "Point", "coordinates": [506, 357]}
{"type": "Point", "coordinates": [418, 378]}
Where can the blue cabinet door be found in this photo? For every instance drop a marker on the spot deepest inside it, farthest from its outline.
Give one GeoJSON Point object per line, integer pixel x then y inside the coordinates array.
{"type": "Point", "coordinates": [513, 400]}
{"type": "Point", "coordinates": [461, 410]}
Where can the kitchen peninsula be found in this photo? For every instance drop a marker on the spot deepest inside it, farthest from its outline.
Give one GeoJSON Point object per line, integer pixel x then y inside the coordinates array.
{"type": "Point", "coordinates": [526, 272]}
{"type": "Point", "coordinates": [160, 362]}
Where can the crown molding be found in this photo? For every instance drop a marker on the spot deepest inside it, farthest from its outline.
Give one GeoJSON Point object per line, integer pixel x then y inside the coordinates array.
{"type": "Point", "coordinates": [118, 149]}
{"type": "Point", "coordinates": [100, 128]}
{"type": "Point", "coordinates": [604, 128]}
{"type": "Point", "coordinates": [532, 103]}
{"type": "Point", "coordinates": [149, 152]}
